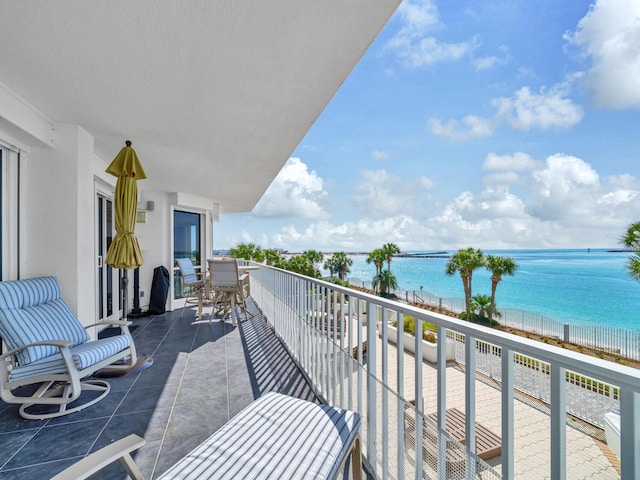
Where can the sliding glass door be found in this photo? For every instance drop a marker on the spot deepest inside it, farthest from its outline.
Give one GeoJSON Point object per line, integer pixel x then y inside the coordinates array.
{"type": "Point", "coordinates": [108, 294]}
{"type": "Point", "coordinates": [186, 242]}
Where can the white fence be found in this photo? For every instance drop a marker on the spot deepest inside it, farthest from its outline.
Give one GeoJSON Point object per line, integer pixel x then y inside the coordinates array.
{"type": "Point", "coordinates": [587, 398]}
{"type": "Point", "coordinates": [350, 364]}
{"type": "Point", "coordinates": [620, 342]}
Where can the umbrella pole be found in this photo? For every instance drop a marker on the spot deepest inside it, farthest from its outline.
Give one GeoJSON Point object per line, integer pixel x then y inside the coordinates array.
{"type": "Point", "coordinates": [125, 290]}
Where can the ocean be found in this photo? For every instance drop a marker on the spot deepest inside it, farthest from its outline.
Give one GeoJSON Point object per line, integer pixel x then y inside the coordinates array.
{"type": "Point", "coordinates": [579, 287]}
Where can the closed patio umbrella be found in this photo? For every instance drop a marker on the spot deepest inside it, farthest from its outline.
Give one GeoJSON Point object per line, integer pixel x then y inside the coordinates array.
{"type": "Point", "coordinates": [124, 252]}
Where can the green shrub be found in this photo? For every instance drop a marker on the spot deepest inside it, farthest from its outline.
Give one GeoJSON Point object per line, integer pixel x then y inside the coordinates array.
{"type": "Point", "coordinates": [428, 328]}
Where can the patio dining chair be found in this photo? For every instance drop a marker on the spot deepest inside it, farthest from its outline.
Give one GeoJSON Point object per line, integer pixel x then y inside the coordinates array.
{"type": "Point", "coordinates": [193, 286]}
{"type": "Point", "coordinates": [227, 287]}
{"type": "Point", "coordinates": [50, 352]}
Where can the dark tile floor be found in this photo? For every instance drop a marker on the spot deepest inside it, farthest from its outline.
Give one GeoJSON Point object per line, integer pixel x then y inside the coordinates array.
{"type": "Point", "coordinates": [203, 374]}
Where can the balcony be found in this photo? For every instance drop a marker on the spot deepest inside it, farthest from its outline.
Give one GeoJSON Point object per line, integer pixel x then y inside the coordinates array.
{"type": "Point", "coordinates": [316, 340]}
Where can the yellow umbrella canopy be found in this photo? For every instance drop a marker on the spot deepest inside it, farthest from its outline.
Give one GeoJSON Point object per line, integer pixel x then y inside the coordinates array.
{"type": "Point", "coordinates": [124, 252]}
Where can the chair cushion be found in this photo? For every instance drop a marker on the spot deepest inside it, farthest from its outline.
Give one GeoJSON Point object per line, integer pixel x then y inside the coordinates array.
{"type": "Point", "coordinates": [84, 356]}
{"type": "Point", "coordinates": [187, 271]}
{"type": "Point", "coordinates": [223, 273]}
{"type": "Point", "coordinates": [277, 436]}
{"type": "Point", "coordinates": [32, 311]}
{"type": "Point", "coordinates": [29, 292]}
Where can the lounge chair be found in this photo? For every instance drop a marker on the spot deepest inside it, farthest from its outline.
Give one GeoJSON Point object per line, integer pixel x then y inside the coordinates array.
{"type": "Point", "coordinates": [50, 351]}
{"type": "Point", "coordinates": [276, 437]}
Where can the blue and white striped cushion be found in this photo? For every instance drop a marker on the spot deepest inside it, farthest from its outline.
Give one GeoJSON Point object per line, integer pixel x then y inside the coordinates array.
{"type": "Point", "coordinates": [84, 355]}
{"type": "Point", "coordinates": [276, 437]}
{"type": "Point", "coordinates": [32, 311]}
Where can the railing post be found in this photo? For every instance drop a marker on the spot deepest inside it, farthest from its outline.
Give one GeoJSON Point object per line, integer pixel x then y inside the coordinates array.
{"type": "Point", "coordinates": [629, 433]}
{"type": "Point", "coordinates": [441, 393]}
{"type": "Point", "coordinates": [418, 395]}
{"type": "Point", "coordinates": [507, 456]}
{"type": "Point", "coordinates": [384, 333]}
{"type": "Point", "coordinates": [558, 423]}
{"type": "Point", "coordinates": [401, 404]}
{"type": "Point", "coordinates": [470, 402]}
{"type": "Point", "coordinates": [372, 415]}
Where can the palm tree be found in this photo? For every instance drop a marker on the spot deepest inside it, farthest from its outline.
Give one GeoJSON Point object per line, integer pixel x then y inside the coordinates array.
{"type": "Point", "coordinates": [632, 240]}
{"type": "Point", "coordinates": [482, 303]}
{"type": "Point", "coordinates": [329, 264]}
{"type": "Point", "coordinates": [339, 263]}
{"type": "Point", "coordinates": [272, 256]}
{"type": "Point", "coordinates": [465, 262]}
{"type": "Point", "coordinates": [498, 266]}
{"type": "Point", "coordinates": [248, 251]}
{"type": "Point", "coordinates": [385, 282]}
{"type": "Point", "coordinates": [377, 257]}
{"type": "Point", "coordinates": [301, 264]}
{"type": "Point", "coordinates": [390, 249]}
{"type": "Point", "coordinates": [314, 256]}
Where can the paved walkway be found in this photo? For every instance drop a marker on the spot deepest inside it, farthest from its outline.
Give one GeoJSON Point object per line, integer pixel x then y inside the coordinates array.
{"type": "Point", "coordinates": [203, 374]}
{"type": "Point", "coordinates": [587, 457]}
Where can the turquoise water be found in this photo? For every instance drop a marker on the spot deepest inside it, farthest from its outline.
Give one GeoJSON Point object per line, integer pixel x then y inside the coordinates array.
{"type": "Point", "coordinates": [571, 286]}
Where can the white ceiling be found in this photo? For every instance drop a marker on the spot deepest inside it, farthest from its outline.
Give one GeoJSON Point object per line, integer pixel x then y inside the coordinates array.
{"type": "Point", "coordinates": [215, 95]}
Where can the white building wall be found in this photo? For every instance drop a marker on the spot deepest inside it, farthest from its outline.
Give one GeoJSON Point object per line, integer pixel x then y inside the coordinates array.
{"type": "Point", "coordinates": [155, 240]}
{"type": "Point", "coordinates": [57, 217]}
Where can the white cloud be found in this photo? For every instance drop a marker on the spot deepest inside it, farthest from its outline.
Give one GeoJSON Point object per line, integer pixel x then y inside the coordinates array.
{"type": "Point", "coordinates": [413, 44]}
{"type": "Point", "coordinates": [426, 183]}
{"type": "Point", "coordinates": [502, 178]}
{"type": "Point", "coordinates": [518, 161]}
{"type": "Point", "coordinates": [523, 111]}
{"type": "Point", "coordinates": [380, 155]}
{"type": "Point", "coordinates": [379, 194]}
{"type": "Point", "coordinates": [469, 128]}
{"type": "Point", "coordinates": [362, 235]}
{"type": "Point", "coordinates": [569, 190]}
{"type": "Point", "coordinates": [491, 61]}
{"type": "Point", "coordinates": [564, 201]}
{"type": "Point", "coordinates": [543, 110]}
{"type": "Point", "coordinates": [295, 192]}
{"type": "Point", "coordinates": [610, 34]}
{"type": "Point", "coordinates": [624, 181]}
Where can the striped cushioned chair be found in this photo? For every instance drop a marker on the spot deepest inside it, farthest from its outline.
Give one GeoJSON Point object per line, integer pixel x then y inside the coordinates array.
{"type": "Point", "coordinates": [49, 346]}
{"type": "Point", "coordinates": [276, 437]}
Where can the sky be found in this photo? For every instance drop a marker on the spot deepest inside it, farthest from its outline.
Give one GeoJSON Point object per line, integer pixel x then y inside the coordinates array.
{"type": "Point", "coordinates": [498, 124]}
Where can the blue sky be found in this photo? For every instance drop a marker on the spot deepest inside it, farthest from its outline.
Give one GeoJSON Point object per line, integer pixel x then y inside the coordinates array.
{"type": "Point", "coordinates": [493, 124]}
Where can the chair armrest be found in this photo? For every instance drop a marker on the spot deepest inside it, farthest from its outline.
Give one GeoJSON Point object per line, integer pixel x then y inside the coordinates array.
{"type": "Point", "coordinates": [119, 450]}
{"type": "Point", "coordinates": [55, 343]}
{"type": "Point", "coordinates": [243, 277]}
{"type": "Point", "coordinates": [117, 323]}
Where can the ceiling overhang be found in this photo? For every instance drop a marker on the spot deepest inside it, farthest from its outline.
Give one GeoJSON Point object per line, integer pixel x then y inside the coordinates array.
{"type": "Point", "coordinates": [215, 95]}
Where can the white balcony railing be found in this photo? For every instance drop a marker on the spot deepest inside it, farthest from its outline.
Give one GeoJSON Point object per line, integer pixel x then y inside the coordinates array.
{"type": "Point", "coordinates": [338, 338]}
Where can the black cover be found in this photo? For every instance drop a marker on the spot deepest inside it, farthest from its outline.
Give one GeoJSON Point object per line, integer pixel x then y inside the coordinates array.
{"type": "Point", "coordinates": [159, 290]}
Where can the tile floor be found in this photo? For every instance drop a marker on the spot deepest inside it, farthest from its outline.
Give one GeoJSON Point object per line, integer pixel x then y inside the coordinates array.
{"type": "Point", "coordinates": [203, 374]}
